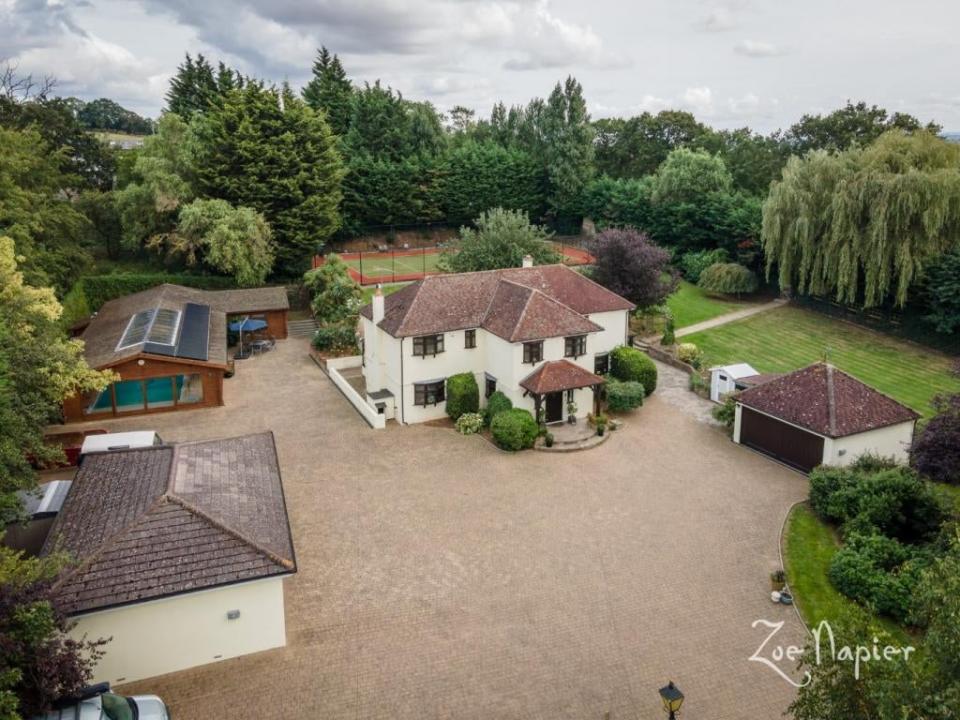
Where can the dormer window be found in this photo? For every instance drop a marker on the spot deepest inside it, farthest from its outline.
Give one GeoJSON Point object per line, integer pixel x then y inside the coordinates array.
{"type": "Point", "coordinates": [575, 346]}
{"type": "Point", "coordinates": [533, 352]}
{"type": "Point", "coordinates": [427, 345]}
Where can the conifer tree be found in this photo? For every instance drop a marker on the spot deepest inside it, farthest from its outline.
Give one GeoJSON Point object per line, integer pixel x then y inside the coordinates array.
{"type": "Point", "coordinates": [330, 90]}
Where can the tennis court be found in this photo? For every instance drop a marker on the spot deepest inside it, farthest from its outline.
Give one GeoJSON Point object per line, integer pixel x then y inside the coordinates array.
{"type": "Point", "coordinates": [369, 268]}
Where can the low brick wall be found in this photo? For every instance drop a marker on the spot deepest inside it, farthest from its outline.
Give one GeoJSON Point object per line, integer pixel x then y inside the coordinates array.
{"type": "Point", "coordinates": [333, 367]}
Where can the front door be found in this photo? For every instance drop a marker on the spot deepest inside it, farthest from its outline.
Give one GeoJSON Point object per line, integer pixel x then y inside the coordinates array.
{"type": "Point", "coordinates": [554, 407]}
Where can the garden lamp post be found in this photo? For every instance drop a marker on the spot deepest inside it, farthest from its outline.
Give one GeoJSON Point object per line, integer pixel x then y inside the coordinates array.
{"type": "Point", "coordinates": [672, 699]}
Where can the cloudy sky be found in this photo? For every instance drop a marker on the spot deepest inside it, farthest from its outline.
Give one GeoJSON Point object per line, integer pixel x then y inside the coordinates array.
{"type": "Point", "coordinates": [760, 63]}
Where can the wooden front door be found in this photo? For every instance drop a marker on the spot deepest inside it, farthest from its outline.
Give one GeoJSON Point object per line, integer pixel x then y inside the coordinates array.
{"type": "Point", "coordinates": [786, 443]}
{"type": "Point", "coordinates": [554, 407]}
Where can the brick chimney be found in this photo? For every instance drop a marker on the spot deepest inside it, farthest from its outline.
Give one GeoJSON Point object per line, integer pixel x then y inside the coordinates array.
{"type": "Point", "coordinates": [527, 261]}
{"type": "Point", "coordinates": [378, 305]}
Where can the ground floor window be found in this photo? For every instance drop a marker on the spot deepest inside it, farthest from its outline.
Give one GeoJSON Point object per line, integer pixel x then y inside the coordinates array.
{"type": "Point", "coordinates": [150, 394]}
{"type": "Point", "coordinates": [490, 388]}
{"type": "Point", "coordinates": [429, 393]}
{"type": "Point", "coordinates": [601, 363]}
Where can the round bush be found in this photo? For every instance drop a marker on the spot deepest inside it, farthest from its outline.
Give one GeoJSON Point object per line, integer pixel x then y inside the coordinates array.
{"type": "Point", "coordinates": [469, 423]}
{"type": "Point", "coordinates": [514, 429]}
{"type": "Point", "coordinates": [463, 395]}
{"type": "Point", "coordinates": [690, 354]}
{"type": "Point", "coordinates": [631, 365]}
{"type": "Point", "coordinates": [728, 279]}
{"type": "Point", "coordinates": [624, 396]}
{"type": "Point", "coordinates": [496, 404]}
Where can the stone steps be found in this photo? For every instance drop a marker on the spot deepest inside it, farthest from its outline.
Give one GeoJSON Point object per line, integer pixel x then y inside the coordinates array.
{"type": "Point", "coordinates": [302, 328]}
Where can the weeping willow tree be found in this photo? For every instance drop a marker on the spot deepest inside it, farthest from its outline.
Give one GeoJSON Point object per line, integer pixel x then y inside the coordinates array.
{"type": "Point", "coordinates": [861, 225]}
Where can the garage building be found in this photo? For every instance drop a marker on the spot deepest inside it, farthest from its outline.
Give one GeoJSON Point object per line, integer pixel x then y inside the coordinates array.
{"type": "Point", "coordinates": [181, 554]}
{"type": "Point", "coordinates": [822, 415]}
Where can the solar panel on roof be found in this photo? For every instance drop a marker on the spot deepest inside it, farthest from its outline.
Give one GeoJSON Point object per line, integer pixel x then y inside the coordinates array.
{"type": "Point", "coordinates": [195, 333]}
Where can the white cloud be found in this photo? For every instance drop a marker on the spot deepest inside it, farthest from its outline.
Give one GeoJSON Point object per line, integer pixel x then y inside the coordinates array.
{"type": "Point", "coordinates": [719, 19]}
{"type": "Point", "coordinates": [699, 100]}
{"type": "Point", "coordinates": [757, 49]}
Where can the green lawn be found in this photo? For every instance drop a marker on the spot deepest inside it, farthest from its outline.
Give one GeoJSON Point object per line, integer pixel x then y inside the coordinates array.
{"type": "Point", "coordinates": [387, 290]}
{"type": "Point", "coordinates": [789, 338]}
{"type": "Point", "coordinates": [690, 305]}
{"type": "Point", "coordinates": [808, 549]}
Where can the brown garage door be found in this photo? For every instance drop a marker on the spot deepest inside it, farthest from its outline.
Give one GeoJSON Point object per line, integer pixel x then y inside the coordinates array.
{"type": "Point", "coordinates": [788, 444]}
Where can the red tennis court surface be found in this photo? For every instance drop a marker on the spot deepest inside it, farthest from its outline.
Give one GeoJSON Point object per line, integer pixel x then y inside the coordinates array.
{"type": "Point", "coordinates": [369, 268]}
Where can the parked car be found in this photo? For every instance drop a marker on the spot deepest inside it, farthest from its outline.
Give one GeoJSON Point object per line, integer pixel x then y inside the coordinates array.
{"type": "Point", "coordinates": [98, 703]}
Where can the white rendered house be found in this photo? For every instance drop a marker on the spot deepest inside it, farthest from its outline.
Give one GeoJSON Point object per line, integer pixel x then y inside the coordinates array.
{"type": "Point", "coordinates": [541, 335]}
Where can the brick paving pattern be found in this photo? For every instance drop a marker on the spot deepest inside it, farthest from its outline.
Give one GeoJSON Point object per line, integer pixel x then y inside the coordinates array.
{"type": "Point", "coordinates": [441, 578]}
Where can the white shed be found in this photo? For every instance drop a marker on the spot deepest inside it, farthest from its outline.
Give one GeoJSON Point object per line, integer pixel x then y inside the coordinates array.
{"type": "Point", "coordinates": [723, 379]}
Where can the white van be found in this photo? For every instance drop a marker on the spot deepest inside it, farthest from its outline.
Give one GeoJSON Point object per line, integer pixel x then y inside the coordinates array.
{"type": "Point", "coordinates": [119, 441]}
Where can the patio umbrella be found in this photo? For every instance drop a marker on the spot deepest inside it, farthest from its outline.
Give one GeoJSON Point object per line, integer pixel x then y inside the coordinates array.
{"type": "Point", "coordinates": [248, 324]}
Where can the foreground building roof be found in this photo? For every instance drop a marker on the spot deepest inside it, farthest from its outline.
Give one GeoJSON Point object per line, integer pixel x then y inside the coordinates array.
{"type": "Point", "coordinates": [557, 375]}
{"type": "Point", "coordinates": [516, 304]}
{"type": "Point", "coordinates": [827, 401]}
{"type": "Point", "coordinates": [148, 523]}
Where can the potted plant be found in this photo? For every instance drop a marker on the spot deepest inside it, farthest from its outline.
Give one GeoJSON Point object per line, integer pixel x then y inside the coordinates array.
{"type": "Point", "coordinates": [548, 439]}
{"type": "Point", "coordinates": [571, 412]}
{"type": "Point", "coordinates": [778, 578]}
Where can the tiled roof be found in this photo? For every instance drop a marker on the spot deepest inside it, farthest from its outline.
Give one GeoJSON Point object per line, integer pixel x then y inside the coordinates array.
{"type": "Point", "coordinates": [559, 375]}
{"type": "Point", "coordinates": [106, 327]}
{"type": "Point", "coordinates": [758, 379]}
{"type": "Point", "coordinates": [515, 304]}
{"type": "Point", "coordinates": [827, 401]}
{"type": "Point", "coordinates": [164, 520]}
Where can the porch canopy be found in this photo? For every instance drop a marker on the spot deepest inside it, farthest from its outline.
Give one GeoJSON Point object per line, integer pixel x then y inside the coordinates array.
{"type": "Point", "coordinates": [557, 376]}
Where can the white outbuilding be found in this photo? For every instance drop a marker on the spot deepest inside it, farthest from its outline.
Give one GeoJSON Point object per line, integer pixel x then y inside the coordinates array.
{"type": "Point", "coordinates": [822, 415]}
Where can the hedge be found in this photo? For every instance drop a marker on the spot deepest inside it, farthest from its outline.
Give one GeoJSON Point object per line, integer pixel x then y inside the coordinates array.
{"type": "Point", "coordinates": [463, 395]}
{"type": "Point", "coordinates": [631, 365]}
{"type": "Point", "coordinates": [624, 396]}
{"type": "Point", "coordinates": [514, 429]}
{"type": "Point", "coordinates": [497, 403]}
{"type": "Point", "coordinates": [728, 279]}
{"type": "Point", "coordinates": [90, 292]}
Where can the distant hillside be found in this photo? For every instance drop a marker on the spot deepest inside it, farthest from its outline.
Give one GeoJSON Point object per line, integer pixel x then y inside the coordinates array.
{"type": "Point", "coordinates": [951, 136]}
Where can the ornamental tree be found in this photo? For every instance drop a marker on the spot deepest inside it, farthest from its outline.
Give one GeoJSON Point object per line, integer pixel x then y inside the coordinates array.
{"type": "Point", "coordinates": [936, 451]}
{"type": "Point", "coordinates": [686, 175]}
{"type": "Point", "coordinates": [336, 295]}
{"type": "Point", "coordinates": [630, 265]}
{"type": "Point", "coordinates": [501, 240]}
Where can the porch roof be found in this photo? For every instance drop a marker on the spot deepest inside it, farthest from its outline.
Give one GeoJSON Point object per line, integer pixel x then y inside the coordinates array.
{"type": "Point", "coordinates": [559, 375]}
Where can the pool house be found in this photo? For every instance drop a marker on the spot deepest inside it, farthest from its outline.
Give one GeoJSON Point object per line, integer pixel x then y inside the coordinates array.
{"type": "Point", "coordinates": [169, 347]}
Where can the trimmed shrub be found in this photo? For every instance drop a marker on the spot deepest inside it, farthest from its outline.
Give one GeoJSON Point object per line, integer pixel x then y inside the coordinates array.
{"type": "Point", "coordinates": [624, 396]}
{"type": "Point", "coordinates": [631, 365]}
{"type": "Point", "coordinates": [469, 423]}
{"type": "Point", "coordinates": [692, 264]}
{"type": "Point", "coordinates": [879, 572]}
{"type": "Point", "coordinates": [463, 395]}
{"type": "Point", "coordinates": [514, 429]}
{"type": "Point", "coordinates": [728, 279]}
{"type": "Point", "coordinates": [336, 338]}
{"type": "Point", "coordinates": [690, 354]}
{"type": "Point", "coordinates": [496, 404]}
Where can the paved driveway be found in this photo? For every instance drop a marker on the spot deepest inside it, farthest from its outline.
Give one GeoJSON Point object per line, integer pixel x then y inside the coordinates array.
{"type": "Point", "coordinates": [441, 578]}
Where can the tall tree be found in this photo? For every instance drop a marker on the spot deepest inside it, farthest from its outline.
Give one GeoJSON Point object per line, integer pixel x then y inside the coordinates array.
{"type": "Point", "coordinates": [329, 90]}
{"type": "Point", "coordinates": [632, 266]}
{"type": "Point", "coordinates": [637, 146]}
{"type": "Point", "coordinates": [858, 124]}
{"type": "Point", "coordinates": [568, 147]}
{"type": "Point", "coordinates": [105, 114]}
{"type": "Point", "coordinates": [278, 157]}
{"type": "Point", "coordinates": [686, 175]}
{"type": "Point", "coordinates": [39, 369]}
{"type": "Point", "coordinates": [501, 240]}
{"type": "Point", "coordinates": [862, 225]}
{"type": "Point", "coordinates": [195, 88]}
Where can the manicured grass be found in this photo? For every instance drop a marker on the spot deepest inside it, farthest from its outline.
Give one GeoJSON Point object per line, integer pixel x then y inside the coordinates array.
{"type": "Point", "coordinates": [690, 305]}
{"type": "Point", "coordinates": [386, 264]}
{"type": "Point", "coordinates": [809, 547]}
{"type": "Point", "coordinates": [789, 338]}
{"type": "Point", "coordinates": [387, 290]}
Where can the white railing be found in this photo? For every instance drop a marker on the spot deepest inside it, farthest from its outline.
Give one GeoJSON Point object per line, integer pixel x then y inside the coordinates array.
{"type": "Point", "coordinates": [334, 365]}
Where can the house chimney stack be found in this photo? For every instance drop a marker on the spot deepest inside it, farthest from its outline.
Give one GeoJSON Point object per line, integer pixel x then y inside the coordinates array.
{"type": "Point", "coordinates": [378, 306]}
{"type": "Point", "coordinates": [527, 261]}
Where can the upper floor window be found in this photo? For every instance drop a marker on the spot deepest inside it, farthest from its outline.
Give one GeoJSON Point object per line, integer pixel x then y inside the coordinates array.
{"type": "Point", "coordinates": [470, 339]}
{"type": "Point", "coordinates": [575, 346]}
{"type": "Point", "coordinates": [533, 351]}
{"type": "Point", "coordinates": [429, 393]}
{"type": "Point", "coordinates": [427, 345]}
{"type": "Point", "coordinates": [601, 363]}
